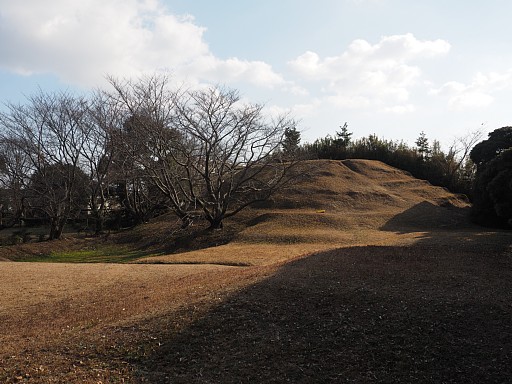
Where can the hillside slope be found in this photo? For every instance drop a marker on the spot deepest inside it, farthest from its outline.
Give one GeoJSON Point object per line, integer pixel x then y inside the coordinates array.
{"type": "Point", "coordinates": [355, 185]}
{"type": "Point", "coordinates": [333, 204]}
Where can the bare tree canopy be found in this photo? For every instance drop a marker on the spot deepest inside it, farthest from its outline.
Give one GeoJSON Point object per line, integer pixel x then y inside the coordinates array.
{"type": "Point", "coordinates": [234, 151]}
{"type": "Point", "coordinates": [142, 147]}
{"type": "Point", "coordinates": [205, 150]}
{"type": "Point", "coordinates": [50, 131]}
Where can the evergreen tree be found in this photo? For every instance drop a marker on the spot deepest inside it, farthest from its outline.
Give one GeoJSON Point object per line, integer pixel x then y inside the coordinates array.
{"type": "Point", "coordinates": [423, 146]}
{"type": "Point", "coordinates": [343, 137]}
{"type": "Point", "coordinates": [291, 141]}
{"type": "Point", "coordinates": [492, 192]}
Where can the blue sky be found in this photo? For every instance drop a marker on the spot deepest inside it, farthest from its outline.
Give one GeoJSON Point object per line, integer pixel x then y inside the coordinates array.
{"type": "Point", "coordinates": [389, 67]}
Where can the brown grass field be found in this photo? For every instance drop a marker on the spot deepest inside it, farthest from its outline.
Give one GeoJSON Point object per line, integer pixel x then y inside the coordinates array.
{"type": "Point", "coordinates": [357, 274]}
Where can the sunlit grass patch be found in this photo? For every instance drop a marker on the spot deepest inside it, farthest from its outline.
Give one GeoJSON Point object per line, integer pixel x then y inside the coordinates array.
{"type": "Point", "coordinates": [109, 254]}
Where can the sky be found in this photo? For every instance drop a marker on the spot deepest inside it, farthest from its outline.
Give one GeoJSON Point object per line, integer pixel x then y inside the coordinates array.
{"type": "Point", "coordinates": [393, 68]}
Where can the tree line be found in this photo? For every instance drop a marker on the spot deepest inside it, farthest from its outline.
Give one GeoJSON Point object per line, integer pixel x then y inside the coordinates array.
{"type": "Point", "coordinates": [426, 160]}
{"type": "Point", "coordinates": [119, 157]}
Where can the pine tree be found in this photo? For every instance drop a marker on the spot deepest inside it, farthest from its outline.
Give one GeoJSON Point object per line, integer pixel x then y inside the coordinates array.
{"type": "Point", "coordinates": [291, 141]}
{"type": "Point", "coordinates": [423, 146]}
{"type": "Point", "coordinates": [343, 137]}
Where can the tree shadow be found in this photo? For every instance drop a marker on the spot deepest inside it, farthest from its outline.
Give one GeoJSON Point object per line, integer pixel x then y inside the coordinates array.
{"type": "Point", "coordinates": [425, 313]}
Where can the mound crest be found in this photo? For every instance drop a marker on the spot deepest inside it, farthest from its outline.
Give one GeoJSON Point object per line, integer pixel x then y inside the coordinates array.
{"type": "Point", "coordinates": [354, 194]}
{"type": "Point", "coordinates": [360, 185]}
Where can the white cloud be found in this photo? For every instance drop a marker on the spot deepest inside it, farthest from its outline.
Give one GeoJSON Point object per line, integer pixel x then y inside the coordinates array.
{"type": "Point", "coordinates": [348, 101]}
{"type": "Point", "coordinates": [298, 111]}
{"type": "Point", "coordinates": [471, 100]}
{"type": "Point", "coordinates": [365, 58]}
{"type": "Point", "coordinates": [400, 109]}
{"type": "Point", "coordinates": [232, 70]}
{"type": "Point", "coordinates": [367, 75]}
{"type": "Point", "coordinates": [476, 94]}
{"type": "Point", "coordinates": [309, 64]}
{"type": "Point", "coordinates": [309, 109]}
{"type": "Point", "coordinates": [83, 41]}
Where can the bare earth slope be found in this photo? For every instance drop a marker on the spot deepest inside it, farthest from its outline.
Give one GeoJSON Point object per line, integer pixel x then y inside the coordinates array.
{"type": "Point", "coordinates": [359, 273]}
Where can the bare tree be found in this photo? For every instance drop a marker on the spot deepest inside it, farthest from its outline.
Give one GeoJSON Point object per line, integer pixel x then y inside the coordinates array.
{"type": "Point", "coordinates": [50, 132]}
{"type": "Point", "coordinates": [14, 168]}
{"type": "Point", "coordinates": [97, 154]}
{"type": "Point", "coordinates": [232, 149]}
{"type": "Point", "coordinates": [205, 151]}
{"type": "Point", "coordinates": [458, 162]}
{"type": "Point", "coordinates": [143, 108]}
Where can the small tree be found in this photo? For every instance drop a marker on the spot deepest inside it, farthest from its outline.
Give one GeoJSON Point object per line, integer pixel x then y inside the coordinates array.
{"type": "Point", "coordinates": [343, 138]}
{"type": "Point", "coordinates": [291, 142]}
{"type": "Point", "coordinates": [423, 146]}
{"type": "Point", "coordinates": [14, 171]}
{"type": "Point", "coordinates": [98, 153]}
{"type": "Point", "coordinates": [458, 166]}
{"type": "Point", "coordinates": [57, 191]}
{"type": "Point", "coordinates": [50, 131]}
{"type": "Point", "coordinates": [147, 152]}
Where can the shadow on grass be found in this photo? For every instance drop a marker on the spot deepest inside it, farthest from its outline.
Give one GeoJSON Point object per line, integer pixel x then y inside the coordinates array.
{"type": "Point", "coordinates": [426, 216]}
{"type": "Point", "coordinates": [424, 313]}
{"type": "Point", "coordinates": [169, 238]}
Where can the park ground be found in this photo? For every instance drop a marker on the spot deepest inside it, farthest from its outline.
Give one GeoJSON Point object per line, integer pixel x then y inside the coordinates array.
{"type": "Point", "coordinates": [358, 274]}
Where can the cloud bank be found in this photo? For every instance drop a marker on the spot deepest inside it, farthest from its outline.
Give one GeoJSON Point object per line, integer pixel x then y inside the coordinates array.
{"type": "Point", "coordinates": [81, 42]}
{"type": "Point", "coordinates": [478, 93]}
{"type": "Point", "coordinates": [365, 75]}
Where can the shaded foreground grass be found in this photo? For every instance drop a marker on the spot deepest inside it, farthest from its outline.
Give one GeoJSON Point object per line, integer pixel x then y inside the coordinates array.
{"type": "Point", "coordinates": [424, 313]}
{"type": "Point", "coordinates": [365, 314]}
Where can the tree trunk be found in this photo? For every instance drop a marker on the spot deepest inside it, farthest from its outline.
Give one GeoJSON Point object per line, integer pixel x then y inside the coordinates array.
{"type": "Point", "coordinates": [99, 224]}
{"type": "Point", "coordinates": [56, 228]}
{"type": "Point", "coordinates": [216, 224]}
{"type": "Point", "coordinates": [53, 229]}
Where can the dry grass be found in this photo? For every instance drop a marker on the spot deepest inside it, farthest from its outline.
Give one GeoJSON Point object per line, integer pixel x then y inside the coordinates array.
{"type": "Point", "coordinates": [360, 273]}
{"type": "Point", "coordinates": [423, 313]}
